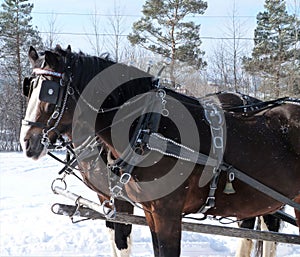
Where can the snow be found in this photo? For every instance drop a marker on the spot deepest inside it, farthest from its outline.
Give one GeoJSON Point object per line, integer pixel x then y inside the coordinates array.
{"type": "Point", "coordinates": [29, 228]}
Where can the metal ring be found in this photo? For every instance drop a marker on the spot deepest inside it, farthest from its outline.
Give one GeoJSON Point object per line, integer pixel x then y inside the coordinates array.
{"type": "Point", "coordinates": [70, 91]}
{"type": "Point", "coordinates": [45, 140]}
{"type": "Point", "coordinates": [59, 147]}
{"type": "Point", "coordinates": [161, 93]}
{"type": "Point", "coordinates": [139, 150]}
{"type": "Point", "coordinates": [109, 213]}
{"type": "Point", "coordinates": [165, 112]}
{"type": "Point", "coordinates": [218, 142]}
{"type": "Point", "coordinates": [54, 181]}
{"type": "Point", "coordinates": [105, 202]}
{"type": "Point", "coordinates": [231, 176]}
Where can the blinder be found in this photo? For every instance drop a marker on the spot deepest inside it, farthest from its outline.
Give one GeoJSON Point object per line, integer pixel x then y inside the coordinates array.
{"type": "Point", "coordinates": [49, 91]}
{"type": "Point", "coordinates": [27, 86]}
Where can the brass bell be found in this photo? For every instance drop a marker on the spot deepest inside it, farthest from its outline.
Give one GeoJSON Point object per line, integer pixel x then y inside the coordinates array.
{"type": "Point", "coordinates": [228, 188]}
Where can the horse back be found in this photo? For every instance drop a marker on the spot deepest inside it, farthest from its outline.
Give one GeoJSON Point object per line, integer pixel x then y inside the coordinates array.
{"type": "Point", "coordinates": [286, 119]}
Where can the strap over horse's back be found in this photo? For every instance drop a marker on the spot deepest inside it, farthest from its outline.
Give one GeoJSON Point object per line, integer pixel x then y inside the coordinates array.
{"type": "Point", "coordinates": [241, 103]}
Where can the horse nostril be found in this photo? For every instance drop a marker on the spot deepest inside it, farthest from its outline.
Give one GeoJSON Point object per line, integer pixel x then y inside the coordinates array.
{"type": "Point", "coordinates": [33, 147]}
{"type": "Point", "coordinates": [27, 144]}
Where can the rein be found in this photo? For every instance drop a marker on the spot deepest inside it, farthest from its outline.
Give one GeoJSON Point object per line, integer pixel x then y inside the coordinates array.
{"type": "Point", "coordinates": [106, 110]}
{"type": "Point", "coordinates": [257, 107]}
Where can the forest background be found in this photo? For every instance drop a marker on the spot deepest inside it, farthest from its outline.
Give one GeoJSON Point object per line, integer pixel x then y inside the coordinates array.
{"type": "Point", "coordinates": [164, 33]}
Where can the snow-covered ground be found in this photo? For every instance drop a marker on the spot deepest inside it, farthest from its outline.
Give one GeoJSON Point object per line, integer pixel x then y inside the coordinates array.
{"type": "Point", "coordinates": [29, 228]}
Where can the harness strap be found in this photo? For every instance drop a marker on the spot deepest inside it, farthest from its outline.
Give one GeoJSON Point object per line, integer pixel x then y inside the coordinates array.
{"type": "Point", "coordinates": [40, 71]}
{"type": "Point", "coordinates": [33, 123]}
{"type": "Point", "coordinates": [168, 147]}
{"type": "Point", "coordinates": [261, 187]}
{"type": "Point", "coordinates": [184, 153]}
{"type": "Point", "coordinates": [285, 217]}
{"type": "Point", "coordinates": [257, 107]}
{"type": "Point", "coordinates": [56, 158]}
{"type": "Point", "coordinates": [132, 155]}
{"type": "Point", "coordinates": [210, 200]}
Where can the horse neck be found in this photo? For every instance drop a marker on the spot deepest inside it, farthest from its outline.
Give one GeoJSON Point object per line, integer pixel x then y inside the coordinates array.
{"type": "Point", "coordinates": [105, 75]}
{"type": "Point", "coordinates": [134, 81]}
{"type": "Point", "coordinates": [86, 68]}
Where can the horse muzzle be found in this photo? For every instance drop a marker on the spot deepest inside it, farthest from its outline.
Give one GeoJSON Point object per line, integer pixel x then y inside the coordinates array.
{"type": "Point", "coordinates": [33, 147]}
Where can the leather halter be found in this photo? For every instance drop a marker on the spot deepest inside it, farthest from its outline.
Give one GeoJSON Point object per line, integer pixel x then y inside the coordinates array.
{"type": "Point", "coordinates": [46, 72]}
{"type": "Point", "coordinates": [64, 91]}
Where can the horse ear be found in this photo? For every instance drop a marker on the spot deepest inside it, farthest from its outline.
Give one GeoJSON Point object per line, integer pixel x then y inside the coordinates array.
{"type": "Point", "coordinates": [60, 51]}
{"type": "Point", "coordinates": [69, 50]}
{"type": "Point", "coordinates": [33, 55]}
{"type": "Point", "coordinates": [51, 58]}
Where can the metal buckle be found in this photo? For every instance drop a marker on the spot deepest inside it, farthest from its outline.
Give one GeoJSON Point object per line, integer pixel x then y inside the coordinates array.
{"type": "Point", "coordinates": [55, 115]}
{"type": "Point", "coordinates": [210, 201]}
{"type": "Point", "coordinates": [116, 191]}
{"type": "Point", "coordinates": [231, 176]}
{"type": "Point", "coordinates": [218, 142]}
{"type": "Point", "coordinates": [45, 140]}
{"type": "Point", "coordinates": [125, 178]}
{"type": "Point", "coordinates": [109, 213]}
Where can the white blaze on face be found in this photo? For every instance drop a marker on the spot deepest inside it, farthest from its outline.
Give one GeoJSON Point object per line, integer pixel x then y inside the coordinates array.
{"type": "Point", "coordinates": [32, 114]}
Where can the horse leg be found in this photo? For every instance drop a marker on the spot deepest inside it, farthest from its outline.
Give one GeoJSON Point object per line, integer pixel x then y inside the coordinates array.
{"type": "Point", "coordinates": [269, 223]}
{"type": "Point", "coordinates": [244, 248]}
{"type": "Point", "coordinates": [120, 233]}
{"type": "Point", "coordinates": [115, 252]}
{"type": "Point", "coordinates": [245, 245]}
{"type": "Point", "coordinates": [151, 225]}
{"type": "Point", "coordinates": [119, 238]}
{"type": "Point", "coordinates": [297, 213]}
{"type": "Point", "coordinates": [166, 234]}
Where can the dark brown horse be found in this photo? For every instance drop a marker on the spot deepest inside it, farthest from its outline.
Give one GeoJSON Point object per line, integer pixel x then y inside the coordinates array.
{"type": "Point", "coordinates": [139, 122]}
{"type": "Point", "coordinates": [91, 170]}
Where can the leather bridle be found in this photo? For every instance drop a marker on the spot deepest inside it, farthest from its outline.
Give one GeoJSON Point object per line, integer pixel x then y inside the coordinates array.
{"type": "Point", "coordinates": [63, 88]}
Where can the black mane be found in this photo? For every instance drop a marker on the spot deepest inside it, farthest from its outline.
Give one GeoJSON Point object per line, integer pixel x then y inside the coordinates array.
{"type": "Point", "coordinates": [85, 69]}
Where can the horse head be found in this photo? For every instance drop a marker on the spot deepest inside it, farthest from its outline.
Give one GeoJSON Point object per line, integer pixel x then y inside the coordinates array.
{"type": "Point", "coordinates": [48, 114]}
{"type": "Point", "coordinates": [57, 83]}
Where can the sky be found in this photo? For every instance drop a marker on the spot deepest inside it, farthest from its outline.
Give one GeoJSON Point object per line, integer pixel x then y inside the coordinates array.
{"type": "Point", "coordinates": [213, 22]}
{"type": "Point", "coordinates": [73, 19]}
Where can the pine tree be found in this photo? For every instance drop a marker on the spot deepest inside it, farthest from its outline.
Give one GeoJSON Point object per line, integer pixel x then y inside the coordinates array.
{"type": "Point", "coordinates": [165, 30]}
{"type": "Point", "coordinates": [275, 51]}
{"type": "Point", "coordinates": [17, 34]}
